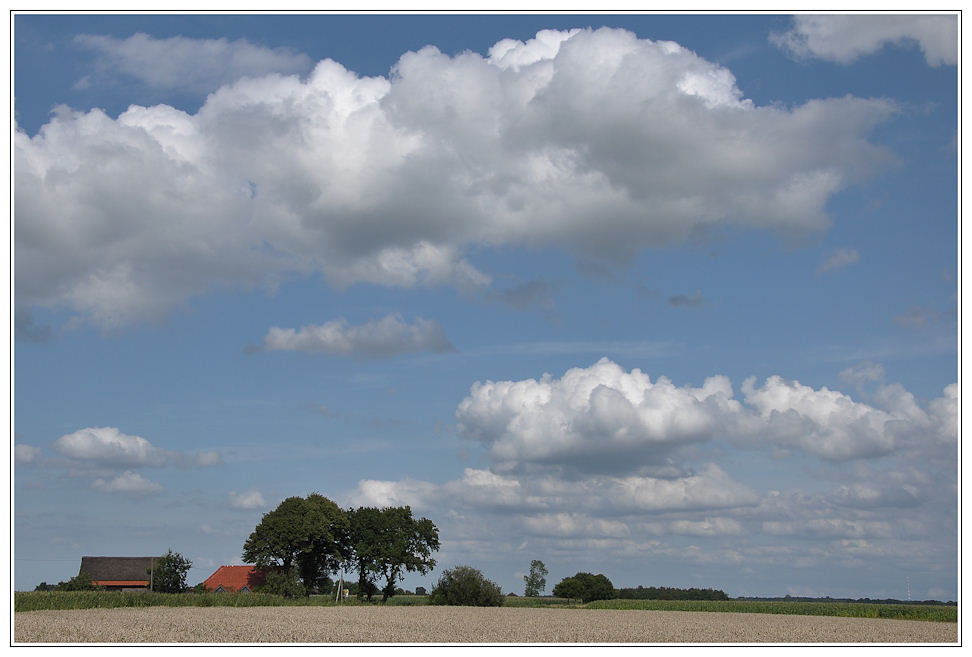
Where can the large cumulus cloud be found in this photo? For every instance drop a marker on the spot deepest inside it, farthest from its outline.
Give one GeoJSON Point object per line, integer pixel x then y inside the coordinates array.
{"type": "Point", "coordinates": [603, 416]}
{"type": "Point", "coordinates": [635, 467]}
{"type": "Point", "coordinates": [593, 141]}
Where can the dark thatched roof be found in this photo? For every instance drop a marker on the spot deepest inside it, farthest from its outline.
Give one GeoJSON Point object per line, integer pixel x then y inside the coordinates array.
{"type": "Point", "coordinates": [116, 568]}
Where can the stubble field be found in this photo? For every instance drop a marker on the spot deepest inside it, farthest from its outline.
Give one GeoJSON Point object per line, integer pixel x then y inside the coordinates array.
{"type": "Point", "coordinates": [423, 624]}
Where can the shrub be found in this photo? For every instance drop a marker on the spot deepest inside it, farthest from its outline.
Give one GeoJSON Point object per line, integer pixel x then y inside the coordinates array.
{"type": "Point", "coordinates": [466, 586]}
{"type": "Point", "coordinates": [80, 582]}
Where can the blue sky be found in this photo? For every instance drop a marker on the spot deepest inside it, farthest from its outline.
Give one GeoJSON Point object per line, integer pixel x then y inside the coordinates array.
{"type": "Point", "coordinates": [669, 298]}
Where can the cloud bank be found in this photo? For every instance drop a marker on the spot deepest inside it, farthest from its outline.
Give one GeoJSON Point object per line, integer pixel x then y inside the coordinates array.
{"type": "Point", "coordinates": [615, 457]}
{"type": "Point", "coordinates": [604, 416]}
{"type": "Point", "coordinates": [389, 180]}
{"type": "Point", "coordinates": [847, 37]}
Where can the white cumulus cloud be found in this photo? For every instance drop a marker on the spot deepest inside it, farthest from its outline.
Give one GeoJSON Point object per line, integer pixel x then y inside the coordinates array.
{"type": "Point", "coordinates": [127, 483]}
{"type": "Point", "coordinates": [593, 417]}
{"type": "Point", "coordinates": [109, 447]}
{"type": "Point", "coordinates": [388, 336]}
{"type": "Point", "coordinates": [390, 180]}
{"type": "Point", "coordinates": [844, 38]}
{"type": "Point", "coordinates": [602, 418]}
{"type": "Point", "coordinates": [249, 499]}
{"type": "Point", "coordinates": [24, 454]}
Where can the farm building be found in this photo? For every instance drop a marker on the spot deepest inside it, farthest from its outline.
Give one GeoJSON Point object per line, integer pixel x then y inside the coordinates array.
{"type": "Point", "coordinates": [119, 573]}
{"type": "Point", "coordinates": [235, 579]}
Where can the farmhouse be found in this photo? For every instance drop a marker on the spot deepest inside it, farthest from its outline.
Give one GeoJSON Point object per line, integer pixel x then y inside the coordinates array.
{"type": "Point", "coordinates": [235, 579]}
{"type": "Point", "coordinates": [119, 573]}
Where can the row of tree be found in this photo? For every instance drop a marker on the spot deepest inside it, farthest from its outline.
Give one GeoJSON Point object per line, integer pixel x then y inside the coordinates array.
{"type": "Point", "coordinates": [588, 587]}
{"type": "Point", "coordinates": [669, 593]}
{"type": "Point", "coordinates": [305, 540]}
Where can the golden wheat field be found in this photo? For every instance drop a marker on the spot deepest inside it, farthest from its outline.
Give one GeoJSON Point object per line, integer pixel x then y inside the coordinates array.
{"type": "Point", "coordinates": [424, 624]}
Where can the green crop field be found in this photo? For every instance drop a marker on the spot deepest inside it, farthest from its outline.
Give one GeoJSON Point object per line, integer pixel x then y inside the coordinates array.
{"type": "Point", "coordinates": [946, 614]}
{"type": "Point", "coordinates": [61, 600]}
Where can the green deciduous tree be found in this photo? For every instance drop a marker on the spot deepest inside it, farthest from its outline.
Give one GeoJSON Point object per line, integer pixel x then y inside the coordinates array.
{"type": "Point", "coordinates": [536, 581]}
{"type": "Point", "coordinates": [168, 574]}
{"type": "Point", "coordinates": [568, 588]}
{"type": "Point", "coordinates": [307, 535]}
{"type": "Point", "coordinates": [585, 587]}
{"type": "Point", "coordinates": [465, 586]}
{"type": "Point", "coordinates": [385, 543]}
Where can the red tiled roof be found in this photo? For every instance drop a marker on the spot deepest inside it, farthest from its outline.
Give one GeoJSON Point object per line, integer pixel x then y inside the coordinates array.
{"type": "Point", "coordinates": [233, 578]}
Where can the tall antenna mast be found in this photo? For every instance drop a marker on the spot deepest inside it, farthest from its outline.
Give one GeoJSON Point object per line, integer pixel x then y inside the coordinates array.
{"type": "Point", "coordinates": [908, 583]}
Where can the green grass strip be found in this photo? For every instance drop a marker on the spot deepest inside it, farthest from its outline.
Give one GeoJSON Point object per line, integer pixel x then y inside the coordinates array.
{"type": "Point", "coordinates": [54, 600]}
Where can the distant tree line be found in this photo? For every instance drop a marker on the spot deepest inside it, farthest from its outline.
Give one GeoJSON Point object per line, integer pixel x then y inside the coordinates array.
{"type": "Point", "coordinates": [80, 582]}
{"type": "Point", "coordinates": [670, 593]}
{"type": "Point", "coordinates": [885, 601]}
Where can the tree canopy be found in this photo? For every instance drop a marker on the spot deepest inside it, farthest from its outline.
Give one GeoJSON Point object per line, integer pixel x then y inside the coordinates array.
{"type": "Point", "coordinates": [307, 534]}
{"type": "Point", "coordinates": [385, 543]}
{"type": "Point", "coordinates": [536, 581]}
{"type": "Point", "coordinates": [586, 587]}
{"type": "Point", "coordinates": [169, 572]}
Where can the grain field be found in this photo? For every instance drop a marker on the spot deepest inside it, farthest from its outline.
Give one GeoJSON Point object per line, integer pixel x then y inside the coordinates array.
{"type": "Point", "coordinates": [365, 624]}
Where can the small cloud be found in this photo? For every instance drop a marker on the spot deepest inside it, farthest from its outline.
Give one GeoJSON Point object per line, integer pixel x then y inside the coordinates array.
{"type": "Point", "coordinates": [128, 483]}
{"type": "Point", "coordinates": [208, 458]}
{"type": "Point", "coordinates": [180, 63]}
{"type": "Point", "coordinates": [863, 372]}
{"type": "Point", "coordinates": [537, 293]}
{"type": "Point", "coordinates": [322, 409]}
{"type": "Point", "coordinates": [593, 269]}
{"type": "Point", "coordinates": [109, 447]}
{"type": "Point", "coordinates": [707, 527]}
{"type": "Point", "coordinates": [389, 336]}
{"type": "Point", "coordinates": [686, 301]}
{"type": "Point", "coordinates": [839, 259]}
{"type": "Point", "coordinates": [26, 330]}
{"type": "Point", "coordinates": [845, 38]}
{"type": "Point", "coordinates": [251, 499]}
{"type": "Point", "coordinates": [24, 454]}
{"type": "Point", "coordinates": [917, 317]}
{"type": "Point", "coordinates": [646, 292]}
